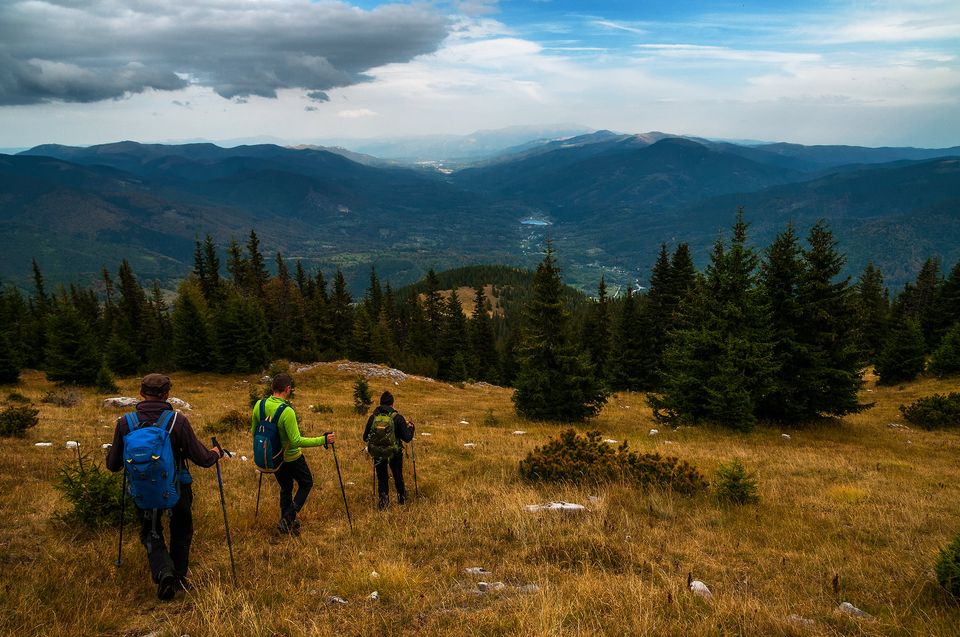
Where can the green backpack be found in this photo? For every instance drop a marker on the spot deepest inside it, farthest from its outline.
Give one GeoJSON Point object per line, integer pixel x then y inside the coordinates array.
{"type": "Point", "coordinates": [382, 443]}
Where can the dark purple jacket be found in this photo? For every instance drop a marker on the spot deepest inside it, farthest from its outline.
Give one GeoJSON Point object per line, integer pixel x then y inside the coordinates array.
{"type": "Point", "coordinates": [182, 438]}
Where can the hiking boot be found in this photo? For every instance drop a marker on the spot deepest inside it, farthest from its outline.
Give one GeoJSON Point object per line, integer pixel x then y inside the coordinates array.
{"type": "Point", "coordinates": [291, 527]}
{"type": "Point", "coordinates": [402, 498]}
{"type": "Point", "coordinates": [383, 502]}
{"type": "Point", "coordinates": [167, 585]}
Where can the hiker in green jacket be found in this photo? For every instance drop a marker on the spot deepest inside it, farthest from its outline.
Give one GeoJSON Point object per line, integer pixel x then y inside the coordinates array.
{"type": "Point", "coordinates": [294, 467]}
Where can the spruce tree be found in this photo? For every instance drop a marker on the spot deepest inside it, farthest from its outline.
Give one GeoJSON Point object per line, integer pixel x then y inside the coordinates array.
{"type": "Point", "coordinates": [212, 292]}
{"type": "Point", "coordinates": [946, 359]}
{"type": "Point", "coordinates": [9, 360]}
{"type": "Point", "coordinates": [256, 265]}
{"type": "Point", "coordinates": [597, 331]}
{"type": "Point", "coordinates": [633, 360]}
{"type": "Point", "coordinates": [374, 297]}
{"type": "Point", "coordinates": [483, 345]}
{"type": "Point", "coordinates": [555, 380]}
{"type": "Point", "coordinates": [827, 330]}
{"type": "Point", "coordinates": [872, 304]}
{"type": "Point", "coordinates": [453, 341]}
{"type": "Point", "coordinates": [780, 277]}
{"type": "Point", "coordinates": [71, 355]}
{"type": "Point", "coordinates": [719, 362]}
{"type": "Point", "coordinates": [238, 267]}
{"type": "Point", "coordinates": [683, 274]}
{"type": "Point", "coordinates": [902, 358]}
{"type": "Point", "coordinates": [341, 316]}
{"type": "Point", "coordinates": [191, 341]}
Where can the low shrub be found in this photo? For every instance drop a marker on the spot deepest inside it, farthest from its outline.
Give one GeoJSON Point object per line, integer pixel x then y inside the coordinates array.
{"type": "Point", "coordinates": [932, 412]}
{"type": "Point", "coordinates": [259, 393]}
{"type": "Point", "coordinates": [14, 421]}
{"type": "Point", "coordinates": [61, 399]}
{"type": "Point", "coordinates": [321, 409]}
{"type": "Point", "coordinates": [281, 366]}
{"type": "Point", "coordinates": [233, 420]}
{"type": "Point", "coordinates": [105, 383]}
{"type": "Point", "coordinates": [490, 419]}
{"type": "Point", "coordinates": [733, 484]}
{"type": "Point", "coordinates": [948, 567]}
{"type": "Point", "coordinates": [17, 397]}
{"type": "Point", "coordinates": [94, 495]}
{"type": "Point", "coordinates": [589, 460]}
{"type": "Point", "coordinates": [946, 359]}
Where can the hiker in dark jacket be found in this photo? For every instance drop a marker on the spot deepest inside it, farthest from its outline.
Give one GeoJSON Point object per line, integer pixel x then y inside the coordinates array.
{"type": "Point", "coordinates": [386, 448]}
{"type": "Point", "coordinates": [168, 568]}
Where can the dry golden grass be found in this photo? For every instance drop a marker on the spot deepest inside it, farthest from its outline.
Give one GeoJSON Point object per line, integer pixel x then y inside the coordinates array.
{"type": "Point", "coordinates": [855, 498]}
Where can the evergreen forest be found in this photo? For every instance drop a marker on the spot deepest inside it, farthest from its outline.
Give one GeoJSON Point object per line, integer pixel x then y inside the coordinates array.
{"type": "Point", "coordinates": [772, 334]}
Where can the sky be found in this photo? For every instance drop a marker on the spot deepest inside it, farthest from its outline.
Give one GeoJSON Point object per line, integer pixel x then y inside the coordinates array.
{"type": "Point", "coordinates": [870, 73]}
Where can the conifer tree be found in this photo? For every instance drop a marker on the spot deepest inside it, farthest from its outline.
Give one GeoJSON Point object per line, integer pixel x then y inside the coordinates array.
{"type": "Point", "coordinates": [238, 267]}
{"type": "Point", "coordinates": [12, 312]}
{"type": "Point", "coordinates": [158, 332]}
{"type": "Point", "coordinates": [946, 359]}
{"type": "Point", "coordinates": [301, 278]}
{"type": "Point", "coordinates": [780, 277]}
{"type": "Point", "coordinates": [341, 315]}
{"type": "Point", "coordinates": [719, 363]}
{"type": "Point", "coordinates": [319, 317]}
{"type": "Point", "coordinates": [831, 382]}
{"type": "Point", "coordinates": [212, 292]}
{"type": "Point", "coordinates": [256, 266]}
{"type": "Point", "coordinates": [434, 311]}
{"type": "Point", "coordinates": [483, 345]}
{"type": "Point", "coordinates": [9, 360]}
{"type": "Point", "coordinates": [453, 341]}
{"type": "Point", "coordinates": [35, 321]}
{"type": "Point", "coordinates": [191, 344]}
{"type": "Point", "coordinates": [872, 304]}
{"type": "Point", "coordinates": [661, 301]}
{"type": "Point", "coordinates": [374, 297]}
{"type": "Point", "coordinates": [633, 360]}
{"type": "Point", "coordinates": [946, 305]}
{"type": "Point", "coordinates": [902, 358]}
{"type": "Point", "coordinates": [683, 274]}
{"type": "Point", "coordinates": [597, 330]}
{"type": "Point", "coordinates": [555, 380]}
{"type": "Point", "coordinates": [71, 354]}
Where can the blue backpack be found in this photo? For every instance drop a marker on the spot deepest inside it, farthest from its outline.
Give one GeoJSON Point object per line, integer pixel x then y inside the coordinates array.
{"type": "Point", "coordinates": [267, 447]}
{"type": "Point", "coordinates": [149, 462]}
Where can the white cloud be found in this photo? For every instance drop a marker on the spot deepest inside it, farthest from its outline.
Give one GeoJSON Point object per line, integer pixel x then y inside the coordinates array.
{"type": "Point", "coordinates": [356, 113]}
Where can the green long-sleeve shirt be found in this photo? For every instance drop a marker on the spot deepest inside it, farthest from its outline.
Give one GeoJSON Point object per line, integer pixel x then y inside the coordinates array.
{"type": "Point", "coordinates": [289, 430]}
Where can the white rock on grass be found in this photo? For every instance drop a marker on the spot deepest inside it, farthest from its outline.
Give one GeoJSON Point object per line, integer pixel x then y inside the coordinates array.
{"type": "Point", "coordinates": [43, 444]}
{"type": "Point", "coordinates": [653, 432]}
{"type": "Point", "coordinates": [464, 422]}
{"type": "Point", "coordinates": [106, 445]}
{"type": "Point", "coordinates": [244, 458]}
{"type": "Point", "coordinates": [699, 588]}
{"type": "Point", "coordinates": [425, 433]}
{"type": "Point", "coordinates": [374, 596]}
{"type": "Point", "coordinates": [801, 621]}
{"type": "Point", "coordinates": [337, 601]}
{"type": "Point", "coordinates": [182, 404]}
{"type": "Point", "coordinates": [849, 609]}
{"type": "Point", "coordinates": [120, 401]}
{"type": "Point", "coordinates": [611, 441]}
{"type": "Point", "coordinates": [469, 445]}
{"type": "Point", "coordinates": [374, 575]}
{"type": "Point", "coordinates": [476, 570]}
{"type": "Point", "coordinates": [519, 433]}
{"type": "Point", "coordinates": [528, 588]}
{"type": "Point", "coordinates": [569, 507]}
{"type": "Point", "coordinates": [785, 436]}
{"type": "Point", "coordinates": [71, 444]}
{"type": "Point", "coordinates": [485, 587]}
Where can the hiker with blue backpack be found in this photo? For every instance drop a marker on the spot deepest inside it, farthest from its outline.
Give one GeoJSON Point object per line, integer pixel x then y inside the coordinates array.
{"type": "Point", "coordinates": [277, 444]}
{"type": "Point", "coordinates": [385, 433]}
{"type": "Point", "coordinates": [153, 445]}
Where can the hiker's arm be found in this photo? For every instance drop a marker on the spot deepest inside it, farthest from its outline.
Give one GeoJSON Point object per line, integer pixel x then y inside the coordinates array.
{"type": "Point", "coordinates": [289, 421]}
{"type": "Point", "coordinates": [114, 460]}
{"type": "Point", "coordinates": [404, 431]}
{"type": "Point", "coordinates": [366, 430]}
{"type": "Point", "coordinates": [193, 448]}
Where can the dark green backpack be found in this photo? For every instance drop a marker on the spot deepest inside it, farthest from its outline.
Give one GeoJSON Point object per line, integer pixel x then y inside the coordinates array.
{"type": "Point", "coordinates": [382, 443]}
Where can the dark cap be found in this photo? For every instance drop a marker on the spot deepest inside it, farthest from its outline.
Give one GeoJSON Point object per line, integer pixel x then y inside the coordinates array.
{"type": "Point", "coordinates": [386, 398]}
{"type": "Point", "coordinates": [154, 385]}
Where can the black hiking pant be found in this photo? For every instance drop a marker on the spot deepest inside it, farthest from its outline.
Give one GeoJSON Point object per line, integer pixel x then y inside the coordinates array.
{"type": "Point", "coordinates": [177, 559]}
{"type": "Point", "coordinates": [288, 473]}
{"type": "Point", "coordinates": [395, 464]}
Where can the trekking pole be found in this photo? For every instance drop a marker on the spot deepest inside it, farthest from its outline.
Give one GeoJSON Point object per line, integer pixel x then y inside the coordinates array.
{"type": "Point", "coordinates": [123, 504]}
{"type": "Point", "coordinates": [223, 505]}
{"type": "Point", "coordinates": [413, 453]}
{"type": "Point", "coordinates": [333, 447]}
{"type": "Point", "coordinates": [259, 484]}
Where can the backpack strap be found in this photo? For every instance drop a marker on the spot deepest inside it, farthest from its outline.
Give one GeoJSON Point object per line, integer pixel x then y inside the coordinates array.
{"type": "Point", "coordinates": [276, 415]}
{"type": "Point", "coordinates": [170, 416]}
{"type": "Point", "coordinates": [133, 421]}
{"type": "Point", "coordinates": [263, 409]}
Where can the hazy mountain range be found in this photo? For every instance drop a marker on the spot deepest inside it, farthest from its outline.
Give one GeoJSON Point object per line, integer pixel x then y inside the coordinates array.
{"type": "Point", "coordinates": [608, 200]}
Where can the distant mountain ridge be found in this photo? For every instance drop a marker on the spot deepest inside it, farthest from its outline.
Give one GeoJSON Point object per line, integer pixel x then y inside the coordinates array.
{"type": "Point", "coordinates": [607, 199]}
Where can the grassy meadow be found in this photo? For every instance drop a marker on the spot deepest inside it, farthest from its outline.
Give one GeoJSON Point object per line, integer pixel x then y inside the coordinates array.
{"type": "Point", "coordinates": [854, 500]}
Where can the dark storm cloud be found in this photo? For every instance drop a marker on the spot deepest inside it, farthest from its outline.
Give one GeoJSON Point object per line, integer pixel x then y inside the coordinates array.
{"type": "Point", "coordinates": [73, 51]}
